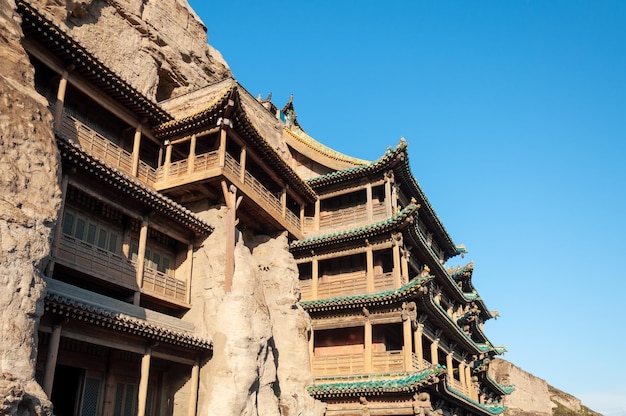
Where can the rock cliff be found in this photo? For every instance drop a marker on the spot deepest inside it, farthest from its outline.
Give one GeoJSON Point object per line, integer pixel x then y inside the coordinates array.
{"type": "Point", "coordinates": [533, 396]}
{"type": "Point", "coordinates": [158, 46]}
{"type": "Point", "coordinates": [29, 201]}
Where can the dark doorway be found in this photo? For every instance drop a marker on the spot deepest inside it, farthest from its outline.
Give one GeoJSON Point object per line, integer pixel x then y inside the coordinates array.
{"type": "Point", "coordinates": [66, 389]}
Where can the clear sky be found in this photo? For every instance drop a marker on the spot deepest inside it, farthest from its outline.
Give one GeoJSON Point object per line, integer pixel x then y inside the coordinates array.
{"type": "Point", "coordinates": [514, 112]}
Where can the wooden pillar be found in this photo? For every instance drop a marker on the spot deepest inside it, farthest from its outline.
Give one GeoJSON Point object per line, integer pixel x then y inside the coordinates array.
{"type": "Point", "coordinates": [388, 204]}
{"type": "Point", "coordinates": [143, 382]}
{"type": "Point", "coordinates": [51, 359]}
{"type": "Point", "coordinates": [317, 214]}
{"type": "Point", "coordinates": [242, 164]}
{"type": "Point", "coordinates": [160, 161]}
{"type": "Point", "coordinates": [58, 230]}
{"type": "Point", "coordinates": [404, 267]}
{"type": "Point", "coordinates": [369, 264]}
{"type": "Point", "coordinates": [232, 203]}
{"type": "Point", "coordinates": [450, 366]}
{"type": "Point", "coordinates": [407, 347]}
{"type": "Point", "coordinates": [369, 207]}
{"type": "Point", "coordinates": [136, 147]}
{"type": "Point", "coordinates": [302, 218]}
{"type": "Point", "coordinates": [314, 278]}
{"type": "Point", "coordinates": [468, 382]}
{"type": "Point", "coordinates": [193, 382]}
{"type": "Point", "coordinates": [312, 349]}
{"type": "Point", "coordinates": [434, 352]}
{"type": "Point", "coordinates": [141, 259]}
{"type": "Point", "coordinates": [60, 103]}
{"type": "Point", "coordinates": [418, 340]}
{"type": "Point", "coordinates": [283, 201]}
{"type": "Point", "coordinates": [168, 159]}
{"type": "Point", "coordinates": [367, 350]}
{"type": "Point", "coordinates": [462, 375]}
{"type": "Point", "coordinates": [189, 270]}
{"type": "Point", "coordinates": [396, 262]}
{"type": "Point", "coordinates": [222, 149]}
{"type": "Point", "coordinates": [394, 196]}
{"type": "Point", "coordinates": [191, 159]}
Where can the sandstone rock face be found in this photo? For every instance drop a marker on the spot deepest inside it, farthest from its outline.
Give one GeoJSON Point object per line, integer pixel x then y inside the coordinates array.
{"type": "Point", "coordinates": [29, 203]}
{"type": "Point", "coordinates": [158, 46]}
{"type": "Point", "coordinates": [532, 395]}
{"type": "Point", "coordinates": [259, 332]}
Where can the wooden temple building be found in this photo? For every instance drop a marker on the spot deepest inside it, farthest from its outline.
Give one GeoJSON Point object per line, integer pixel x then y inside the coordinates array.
{"type": "Point", "coordinates": [394, 331]}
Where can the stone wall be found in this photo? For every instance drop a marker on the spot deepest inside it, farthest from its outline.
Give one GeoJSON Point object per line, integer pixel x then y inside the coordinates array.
{"type": "Point", "coordinates": [29, 201]}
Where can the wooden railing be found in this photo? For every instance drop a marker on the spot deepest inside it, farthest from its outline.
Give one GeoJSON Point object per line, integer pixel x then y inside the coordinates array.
{"type": "Point", "coordinates": [95, 261]}
{"type": "Point", "coordinates": [345, 218]}
{"type": "Point", "coordinates": [306, 289]}
{"type": "Point", "coordinates": [383, 282]}
{"type": "Point", "coordinates": [416, 366]}
{"type": "Point", "coordinates": [388, 362]}
{"type": "Point", "coordinates": [456, 385]}
{"type": "Point", "coordinates": [339, 364]}
{"type": "Point", "coordinates": [108, 152]}
{"type": "Point", "coordinates": [119, 270]}
{"type": "Point", "coordinates": [340, 285]}
{"type": "Point", "coordinates": [164, 285]}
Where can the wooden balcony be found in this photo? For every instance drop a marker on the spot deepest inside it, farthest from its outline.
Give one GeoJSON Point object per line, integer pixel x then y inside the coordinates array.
{"type": "Point", "coordinates": [339, 365]}
{"type": "Point", "coordinates": [94, 261]}
{"type": "Point", "coordinates": [108, 152]}
{"type": "Point", "coordinates": [385, 362]}
{"type": "Point", "coordinates": [349, 284]}
{"type": "Point", "coordinates": [346, 218]}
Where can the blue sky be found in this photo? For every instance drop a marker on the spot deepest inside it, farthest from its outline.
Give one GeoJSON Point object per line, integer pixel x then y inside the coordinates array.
{"type": "Point", "coordinates": [514, 112]}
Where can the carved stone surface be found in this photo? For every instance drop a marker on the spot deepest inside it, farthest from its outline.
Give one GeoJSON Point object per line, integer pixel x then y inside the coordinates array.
{"type": "Point", "coordinates": [29, 201]}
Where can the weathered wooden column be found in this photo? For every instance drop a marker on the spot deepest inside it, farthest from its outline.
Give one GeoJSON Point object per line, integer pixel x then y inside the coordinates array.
{"type": "Point", "coordinates": [136, 147]}
{"type": "Point", "coordinates": [367, 343]}
{"type": "Point", "coordinates": [468, 381]}
{"type": "Point", "coordinates": [314, 277]}
{"type": "Point", "coordinates": [369, 207]}
{"type": "Point", "coordinates": [450, 365]}
{"type": "Point", "coordinates": [317, 214]}
{"type": "Point", "coordinates": [312, 349]}
{"type": "Point", "coordinates": [141, 259]}
{"type": "Point", "coordinates": [434, 352]}
{"type": "Point", "coordinates": [397, 241]}
{"type": "Point", "coordinates": [388, 204]}
{"type": "Point", "coordinates": [232, 203]}
{"type": "Point", "coordinates": [191, 159]}
{"type": "Point", "coordinates": [143, 382]}
{"type": "Point", "coordinates": [404, 266]}
{"type": "Point", "coordinates": [222, 149]}
{"type": "Point", "coordinates": [193, 384]}
{"type": "Point", "coordinates": [51, 359]}
{"type": "Point", "coordinates": [189, 270]}
{"type": "Point", "coordinates": [369, 268]}
{"type": "Point", "coordinates": [242, 164]}
{"type": "Point", "coordinates": [283, 201]}
{"type": "Point", "coordinates": [417, 340]}
{"type": "Point", "coordinates": [462, 375]}
{"type": "Point", "coordinates": [407, 348]}
{"type": "Point", "coordinates": [60, 103]}
{"type": "Point", "coordinates": [58, 229]}
{"type": "Point", "coordinates": [168, 159]}
{"type": "Point", "coordinates": [302, 218]}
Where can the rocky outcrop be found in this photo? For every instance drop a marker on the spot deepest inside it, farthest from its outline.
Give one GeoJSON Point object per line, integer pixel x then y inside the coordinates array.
{"type": "Point", "coordinates": [29, 201]}
{"type": "Point", "coordinates": [532, 395]}
{"type": "Point", "coordinates": [259, 332]}
{"type": "Point", "coordinates": [158, 46]}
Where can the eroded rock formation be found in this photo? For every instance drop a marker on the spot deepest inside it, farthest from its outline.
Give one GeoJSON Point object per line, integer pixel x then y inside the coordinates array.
{"type": "Point", "coordinates": [158, 46]}
{"type": "Point", "coordinates": [29, 201]}
{"type": "Point", "coordinates": [534, 396]}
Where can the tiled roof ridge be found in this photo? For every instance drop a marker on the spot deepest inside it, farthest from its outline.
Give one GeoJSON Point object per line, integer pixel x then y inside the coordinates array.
{"type": "Point", "coordinates": [152, 107]}
{"type": "Point", "coordinates": [495, 409]}
{"type": "Point", "coordinates": [374, 166]}
{"type": "Point", "coordinates": [504, 388]}
{"type": "Point", "coordinates": [167, 206]}
{"type": "Point", "coordinates": [319, 147]}
{"type": "Point", "coordinates": [61, 304]}
{"type": "Point", "coordinates": [357, 301]}
{"type": "Point", "coordinates": [368, 229]}
{"type": "Point", "coordinates": [177, 125]}
{"type": "Point", "coordinates": [408, 383]}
